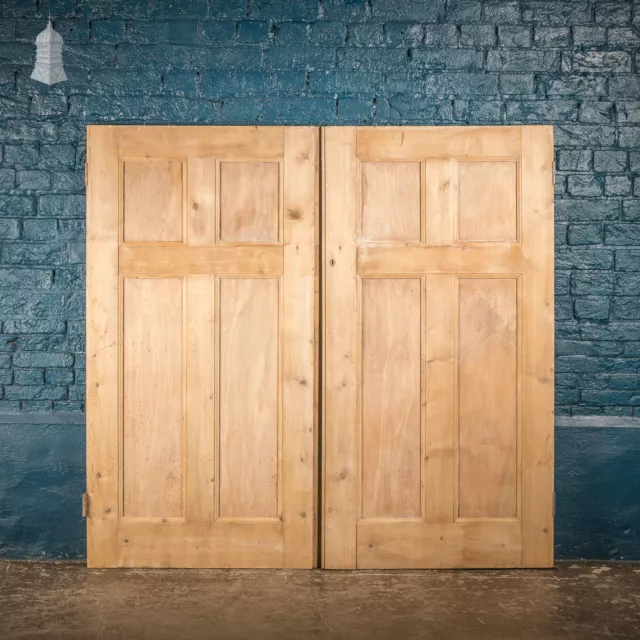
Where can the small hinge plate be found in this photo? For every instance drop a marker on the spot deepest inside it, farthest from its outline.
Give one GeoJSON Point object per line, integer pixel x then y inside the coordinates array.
{"type": "Point", "coordinates": [86, 504]}
{"type": "Point", "coordinates": [553, 508]}
{"type": "Point", "coordinates": [86, 174]}
{"type": "Point", "coordinates": [554, 171]}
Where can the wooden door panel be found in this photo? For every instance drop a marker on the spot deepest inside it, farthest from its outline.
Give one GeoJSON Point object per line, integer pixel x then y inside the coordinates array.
{"type": "Point", "coordinates": [156, 185]}
{"type": "Point", "coordinates": [249, 391]}
{"type": "Point", "coordinates": [152, 397]}
{"type": "Point", "coordinates": [436, 346]}
{"type": "Point", "coordinates": [202, 319]}
{"type": "Point", "coordinates": [488, 397]}
{"type": "Point", "coordinates": [391, 402]}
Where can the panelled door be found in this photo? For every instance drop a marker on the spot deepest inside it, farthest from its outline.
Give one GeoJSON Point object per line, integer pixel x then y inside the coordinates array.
{"type": "Point", "coordinates": [201, 343]}
{"type": "Point", "coordinates": [438, 347]}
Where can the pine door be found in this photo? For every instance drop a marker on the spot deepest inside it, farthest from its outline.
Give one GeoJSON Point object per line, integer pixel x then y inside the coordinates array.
{"type": "Point", "coordinates": [201, 367]}
{"type": "Point", "coordinates": [438, 347]}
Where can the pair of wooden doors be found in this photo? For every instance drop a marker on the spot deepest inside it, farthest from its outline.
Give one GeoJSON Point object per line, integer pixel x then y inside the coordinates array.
{"type": "Point", "coordinates": [215, 331]}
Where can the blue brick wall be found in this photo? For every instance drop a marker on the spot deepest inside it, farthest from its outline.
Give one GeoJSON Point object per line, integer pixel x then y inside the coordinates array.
{"type": "Point", "coordinates": [570, 63]}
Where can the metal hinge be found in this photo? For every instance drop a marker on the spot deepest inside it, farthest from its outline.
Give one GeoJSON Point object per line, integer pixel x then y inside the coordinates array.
{"type": "Point", "coordinates": [86, 174]}
{"type": "Point", "coordinates": [86, 505]}
{"type": "Point", "coordinates": [553, 504]}
{"type": "Point", "coordinates": [553, 168]}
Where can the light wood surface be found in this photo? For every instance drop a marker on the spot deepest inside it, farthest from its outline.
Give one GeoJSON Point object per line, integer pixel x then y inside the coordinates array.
{"type": "Point", "coordinates": [487, 201]}
{"type": "Point", "coordinates": [152, 185]}
{"type": "Point", "coordinates": [538, 356]}
{"type": "Point", "coordinates": [487, 392]}
{"type": "Point", "coordinates": [485, 344]}
{"type": "Point", "coordinates": [341, 484]}
{"type": "Point", "coordinates": [249, 397]}
{"type": "Point", "coordinates": [391, 201]}
{"type": "Point", "coordinates": [249, 201]}
{"type": "Point", "coordinates": [391, 397]}
{"type": "Point", "coordinates": [202, 365]}
{"type": "Point", "coordinates": [102, 346]}
{"type": "Point", "coordinates": [152, 428]}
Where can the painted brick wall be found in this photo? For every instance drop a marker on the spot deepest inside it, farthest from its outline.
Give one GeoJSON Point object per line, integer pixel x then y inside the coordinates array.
{"type": "Point", "coordinates": [570, 63]}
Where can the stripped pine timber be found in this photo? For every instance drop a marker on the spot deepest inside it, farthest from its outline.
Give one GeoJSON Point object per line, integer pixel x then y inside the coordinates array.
{"type": "Point", "coordinates": [202, 313]}
{"type": "Point", "coordinates": [451, 465]}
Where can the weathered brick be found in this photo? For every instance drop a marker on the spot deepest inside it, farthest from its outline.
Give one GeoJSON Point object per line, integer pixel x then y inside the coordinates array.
{"type": "Point", "coordinates": [628, 260]}
{"type": "Point", "coordinates": [585, 135]}
{"type": "Point", "coordinates": [610, 161]}
{"type": "Point", "coordinates": [365, 34]}
{"type": "Point", "coordinates": [609, 397]}
{"type": "Point", "coordinates": [374, 59]}
{"type": "Point", "coordinates": [285, 57]}
{"type": "Point", "coordinates": [514, 36]}
{"type": "Point", "coordinates": [579, 86]}
{"type": "Point", "coordinates": [558, 12]}
{"type": "Point", "coordinates": [220, 32]}
{"type": "Point", "coordinates": [40, 229]}
{"type": "Point", "coordinates": [350, 82]}
{"type": "Point", "coordinates": [33, 180]}
{"type": "Point", "coordinates": [32, 253]}
{"type": "Point", "coordinates": [253, 32]}
{"type": "Point", "coordinates": [627, 284]}
{"type": "Point", "coordinates": [613, 13]}
{"type": "Point", "coordinates": [23, 155]}
{"type": "Point", "coordinates": [107, 31]}
{"type": "Point", "coordinates": [626, 308]}
{"type": "Point", "coordinates": [58, 206]}
{"type": "Point", "coordinates": [456, 60]}
{"type": "Point", "coordinates": [9, 229]}
{"type": "Point", "coordinates": [461, 84]}
{"type": "Point", "coordinates": [502, 11]}
{"type": "Point", "coordinates": [587, 282]}
{"type": "Point", "coordinates": [589, 36]}
{"type": "Point", "coordinates": [585, 234]}
{"type": "Point", "coordinates": [26, 278]}
{"type": "Point", "coordinates": [405, 33]}
{"type": "Point", "coordinates": [440, 35]}
{"type": "Point", "coordinates": [478, 35]}
{"type": "Point", "coordinates": [574, 160]}
{"type": "Point", "coordinates": [523, 60]}
{"type": "Point", "coordinates": [617, 185]}
{"type": "Point", "coordinates": [631, 210]}
{"type": "Point", "coordinates": [593, 308]}
{"type": "Point", "coordinates": [462, 11]}
{"type": "Point", "coordinates": [622, 234]}
{"type": "Point", "coordinates": [517, 83]}
{"type": "Point", "coordinates": [527, 111]}
{"type": "Point", "coordinates": [584, 185]}
{"type": "Point", "coordinates": [40, 359]}
{"type": "Point", "coordinates": [16, 206]}
{"type": "Point", "coordinates": [628, 111]}
{"type": "Point", "coordinates": [57, 156]}
{"type": "Point", "coordinates": [29, 376]}
{"type": "Point", "coordinates": [596, 112]}
{"type": "Point", "coordinates": [590, 61]}
{"type": "Point", "coordinates": [552, 37]}
{"type": "Point", "coordinates": [114, 82]}
{"type": "Point", "coordinates": [20, 392]}
{"type": "Point", "coordinates": [383, 9]}
{"type": "Point", "coordinates": [591, 259]}
{"type": "Point", "coordinates": [18, 325]}
{"type": "Point", "coordinates": [58, 376]}
{"type": "Point", "coordinates": [624, 38]}
{"type": "Point", "coordinates": [625, 87]}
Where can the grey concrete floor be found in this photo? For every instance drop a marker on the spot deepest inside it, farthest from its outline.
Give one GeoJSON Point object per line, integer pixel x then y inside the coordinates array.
{"type": "Point", "coordinates": [67, 601]}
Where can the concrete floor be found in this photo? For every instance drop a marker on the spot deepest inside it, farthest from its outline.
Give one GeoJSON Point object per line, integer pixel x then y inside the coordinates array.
{"type": "Point", "coordinates": [66, 601]}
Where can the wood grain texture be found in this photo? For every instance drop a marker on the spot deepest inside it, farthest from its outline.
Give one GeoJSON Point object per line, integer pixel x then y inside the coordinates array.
{"type": "Point", "coordinates": [459, 545]}
{"type": "Point", "coordinates": [152, 398]}
{"type": "Point", "coordinates": [439, 190]}
{"type": "Point", "coordinates": [153, 194]}
{"type": "Point", "coordinates": [341, 484]}
{"type": "Point", "coordinates": [538, 369]}
{"type": "Point", "coordinates": [299, 342]}
{"type": "Point", "coordinates": [439, 397]}
{"type": "Point", "coordinates": [177, 260]}
{"type": "Point", "coordinates": [391, 397]}
{"type": "Point", "coordinates": [148, 141]}
{"type": "Point", "coordinates": [200, 401]}
{"type": "Point", "coordinates": [487, 201]}
{"type": "Point", "coordinates": [102, 345]}
{"type": "Point", "coordinates": [201, 201]}
{"type": "Point", "coordinates": [391, 201]}
{"type": "Point", "coordinates": [487, 413]}
{"type": "Point", "coordinates": [417, 143]}
{"type": "Point", "coordinates": [249, 373]}
{"type": "Point", "coordinates": [249, 201]}
{"type": "Point", "coordinates": [155, 496]}
{"type": "Point", "coordinates": [470, 259]}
